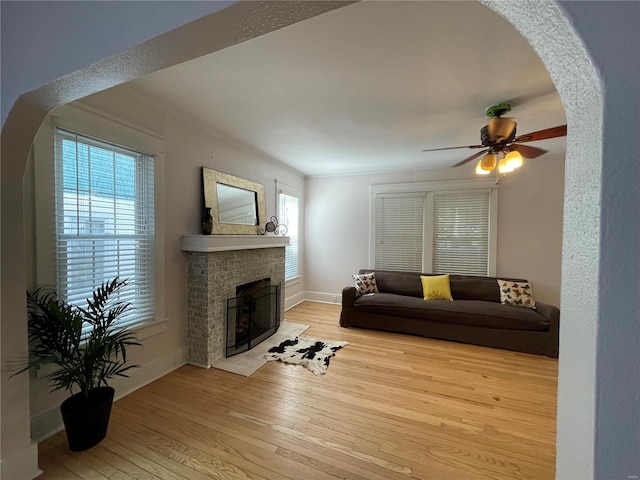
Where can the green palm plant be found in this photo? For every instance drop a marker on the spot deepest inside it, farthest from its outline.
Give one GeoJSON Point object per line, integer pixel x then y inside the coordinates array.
{"type": "Point", "coordinates": [85, 343]}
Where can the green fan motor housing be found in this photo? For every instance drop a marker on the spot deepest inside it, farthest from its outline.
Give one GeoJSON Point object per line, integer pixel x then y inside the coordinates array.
{"type": "Point", "coordinates": [497, 110]}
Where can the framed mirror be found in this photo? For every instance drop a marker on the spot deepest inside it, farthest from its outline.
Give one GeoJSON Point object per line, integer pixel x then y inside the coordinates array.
{"type": "Point", "coordinates": [237, 205]}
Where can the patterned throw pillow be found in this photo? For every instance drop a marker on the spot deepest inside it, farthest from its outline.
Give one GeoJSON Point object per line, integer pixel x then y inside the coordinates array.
{"type": "Point", "coordinates": [365, 284]}
{"type": "Point", "coordinates": [517, 294]}
{"type": "Point", "coordinates": [436, 287]}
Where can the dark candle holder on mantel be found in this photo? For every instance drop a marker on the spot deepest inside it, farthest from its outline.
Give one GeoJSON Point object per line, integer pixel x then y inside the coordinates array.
{"type": "Point", "coordinates": [272, 226]}
{"type": "Point", "coordinates": [207, 221]}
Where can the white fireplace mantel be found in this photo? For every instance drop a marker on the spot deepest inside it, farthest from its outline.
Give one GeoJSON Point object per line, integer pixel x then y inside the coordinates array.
{"type": "Point", "coordinates": [221, 243]}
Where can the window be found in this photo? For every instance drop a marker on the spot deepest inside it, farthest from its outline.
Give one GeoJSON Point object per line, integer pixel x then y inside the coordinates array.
{"type": "Point", "coordinates": [289, 214]}
{"type": "Point", "coordinates": [399, 231]}
{"type": "Point", "coordinates": [104, 221]}
{"type": "Point", "coordinates": [461, 233]}
{"type": "Point", "coordinates": [435, 227]}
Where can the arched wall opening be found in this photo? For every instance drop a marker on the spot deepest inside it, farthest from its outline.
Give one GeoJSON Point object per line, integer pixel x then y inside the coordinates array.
{"type": "Point", "coordinates": [548, 31]}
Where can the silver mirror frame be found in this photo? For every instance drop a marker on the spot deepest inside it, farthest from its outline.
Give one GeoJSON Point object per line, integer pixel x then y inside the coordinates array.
{"type": "Point", "coordinates": [210, 178]}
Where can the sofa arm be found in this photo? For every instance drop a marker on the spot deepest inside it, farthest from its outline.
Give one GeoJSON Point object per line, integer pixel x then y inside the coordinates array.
{"type": "Point", "coordinates": [348, 296]}
{"type": "Point", "coordinates": [553, 315]}
{"type": "Point", "coordinates": [549, 311]}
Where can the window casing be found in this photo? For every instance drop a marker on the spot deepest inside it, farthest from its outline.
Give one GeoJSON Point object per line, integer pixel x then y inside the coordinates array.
{"type": "Point", "coordinates": [435, 227]}
{"type": "Point", "coordinates": [289, 206]}
{"type": "Point", "coordinates": [104, 221]}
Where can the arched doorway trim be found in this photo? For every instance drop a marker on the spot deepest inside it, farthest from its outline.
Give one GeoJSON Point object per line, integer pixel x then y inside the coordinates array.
{"type": "Point", "coordinates": [548, 31]}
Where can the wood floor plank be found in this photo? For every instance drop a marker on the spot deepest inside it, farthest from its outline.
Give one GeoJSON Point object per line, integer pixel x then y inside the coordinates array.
{"type": "Point", "coordinates": [247, 424]}
{"type": "Point", "coordinates": [391, 407]}
{"type": "Point", "coordinates": [139, 464]}
{"type": "Point", "coordinates": [73, 462]}
{"type": "Point", "coordinates": [92, 459]}
{"type": "Point", "coordinates": [245, 459]}
{"type": "Point", "coordinates": [49, 463]}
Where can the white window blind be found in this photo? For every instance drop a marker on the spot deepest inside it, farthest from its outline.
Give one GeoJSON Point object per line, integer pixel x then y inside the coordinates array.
{"type": "Point", "coordinates": [104, 221]}
{"type": "Point", "coordinates": [399, 220]}
{"type": "Point", "coordinates": [289, 214]}
{"type": "Point", "coordinates": [461, 232]}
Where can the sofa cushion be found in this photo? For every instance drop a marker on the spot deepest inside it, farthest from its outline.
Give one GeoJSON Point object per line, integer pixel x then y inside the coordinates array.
{"type": "Point", "coordinates": [399, 284]}
{"type": "Point", "coordinates": [365, 283]}
{"type": "Point", "coordinates": [461, 312]}
{"type": "Point", "coordinates": [474, 288]}
{"type": "Point", "coordinates": [436, 287]}
{"type": "Point", "coordinates": [518, 294]}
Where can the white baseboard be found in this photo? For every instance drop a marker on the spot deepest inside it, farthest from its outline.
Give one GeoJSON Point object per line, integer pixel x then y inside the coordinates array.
{"type": "Point", "coordinates": [199, 365]}
{"type": "Point", "coordinates": [320, 297]}
{"type": "Point", "coordinates": [293, 300]}
{"type": "Point", "coordinates": [46, 424]}
{"type": "Point", "coordinates": [49, 423]}
{"type": "Point", "coordinates": [22, 465]}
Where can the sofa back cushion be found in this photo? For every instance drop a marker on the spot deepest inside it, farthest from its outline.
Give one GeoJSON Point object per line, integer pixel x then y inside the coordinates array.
{"type": "Point", "coordinates": [399, 283]}
{"type": "Point", "coordinates": [475, 288]}
{"type": "Point", "coordinates": [463, 287]}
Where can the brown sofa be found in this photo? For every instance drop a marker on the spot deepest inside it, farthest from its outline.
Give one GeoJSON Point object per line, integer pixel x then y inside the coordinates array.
{"type": "Point", "coordinates": [475, 316]}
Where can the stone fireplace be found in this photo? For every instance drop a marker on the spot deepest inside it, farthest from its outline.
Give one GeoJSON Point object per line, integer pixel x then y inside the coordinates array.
{"type": "Point", "coordinates": [217, 266]}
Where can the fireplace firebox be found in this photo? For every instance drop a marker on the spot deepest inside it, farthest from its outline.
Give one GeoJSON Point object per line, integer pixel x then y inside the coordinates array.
{"type": "Point", "coordinates": [253, 315]}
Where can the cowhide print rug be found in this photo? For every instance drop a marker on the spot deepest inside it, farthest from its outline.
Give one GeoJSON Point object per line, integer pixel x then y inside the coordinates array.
{"type": "Point", "coordinates": [309, 352]}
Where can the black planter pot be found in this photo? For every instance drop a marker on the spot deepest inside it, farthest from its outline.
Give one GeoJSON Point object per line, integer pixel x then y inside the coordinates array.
{"type": "Point", "coordinates": [86, 420]}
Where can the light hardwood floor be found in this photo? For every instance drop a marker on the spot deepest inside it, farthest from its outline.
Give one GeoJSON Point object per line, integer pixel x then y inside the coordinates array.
{"type": "Point", "coordinates": [390, 407]}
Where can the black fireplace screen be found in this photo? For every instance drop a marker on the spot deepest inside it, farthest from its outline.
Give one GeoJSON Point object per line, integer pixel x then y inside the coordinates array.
{"type": "Point", "coordinates": [253, 315]}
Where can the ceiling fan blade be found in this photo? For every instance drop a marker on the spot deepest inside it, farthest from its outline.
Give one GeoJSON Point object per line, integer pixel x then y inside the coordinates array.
{"type": "Point", "coordinates": [553, 132]}
{"type": "Point", "coordinates": [468, 159]}
{"type": "Point", "coordinates": [452, 148]}
{"type": "Point", "coordinates": [527, 151]}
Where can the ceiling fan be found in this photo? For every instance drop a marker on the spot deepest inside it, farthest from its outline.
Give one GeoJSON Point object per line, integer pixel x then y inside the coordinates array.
{"type": "Point", "coordinates": [498, 137]}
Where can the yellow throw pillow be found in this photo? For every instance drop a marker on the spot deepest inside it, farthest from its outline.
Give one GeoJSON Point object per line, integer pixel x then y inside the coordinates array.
{"type": "Point", "coordinates": [436, 287]}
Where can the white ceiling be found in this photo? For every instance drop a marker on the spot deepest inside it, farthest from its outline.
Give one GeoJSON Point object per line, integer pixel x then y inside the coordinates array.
{"type": "Point", "coordinates": [367, 87]}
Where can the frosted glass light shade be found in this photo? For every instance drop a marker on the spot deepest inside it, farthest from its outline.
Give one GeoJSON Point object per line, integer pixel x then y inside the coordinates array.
{"type": "Point", "coordinates": [480, 170]}
{"type": "Point", "coordinates": [503, 166]}
{"type": "Point", "coordinates": [488, 162]}
{"type": "Point", "coordinates": [513, 159]}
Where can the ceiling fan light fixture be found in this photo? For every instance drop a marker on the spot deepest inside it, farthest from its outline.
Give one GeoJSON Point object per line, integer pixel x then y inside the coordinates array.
{"type": "Point", "coordinates": [513, 159]}
{"type": "Point", "coordinates": [501, 129]}
{"type": "Point", "coordinates": [480, 170]}
{"type": "Point", "coordinates": [503, 166]}
{"type": "Point", "coordinates": [488, 162]}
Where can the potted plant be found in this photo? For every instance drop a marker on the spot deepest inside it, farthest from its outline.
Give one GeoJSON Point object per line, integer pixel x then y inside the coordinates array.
{"type": "Point", "coordinates": [87, 347]}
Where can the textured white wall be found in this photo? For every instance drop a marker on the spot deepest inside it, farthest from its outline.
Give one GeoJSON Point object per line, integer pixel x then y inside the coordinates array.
{"type": "Point", "coordinates": [530, 203]}
{"type": "Point", "coordinates": [609, 31]}
{"type": "Point", "coordinates": [46, 51]}
{"type": "Point", "coordinates": [611, 37]}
